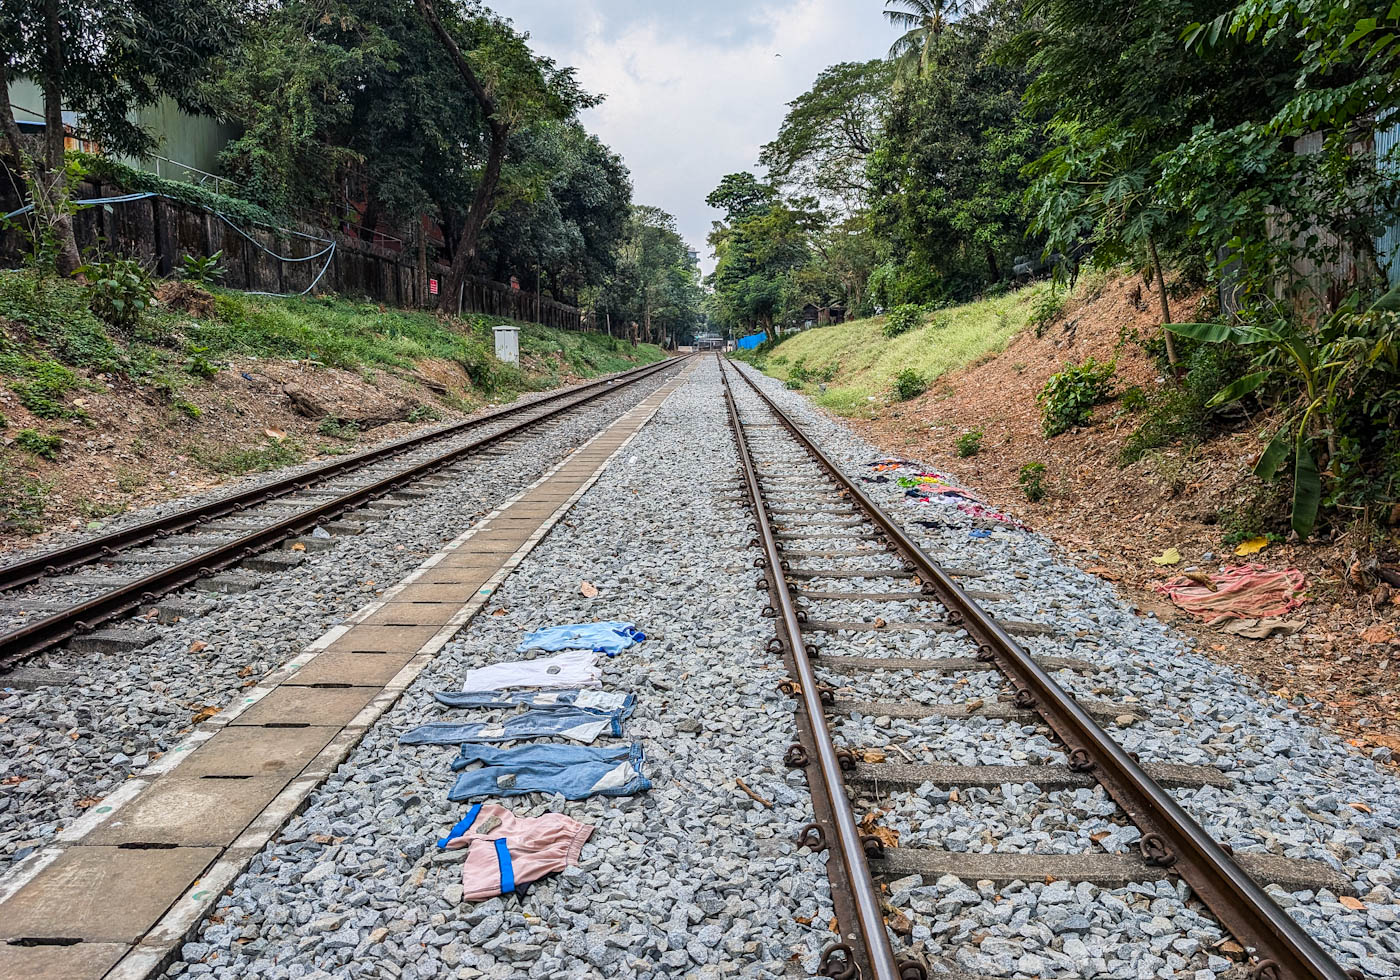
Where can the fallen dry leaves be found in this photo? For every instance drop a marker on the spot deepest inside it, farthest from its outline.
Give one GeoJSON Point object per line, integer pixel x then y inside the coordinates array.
{"type": "Point", "coordinates": [1114, 518]}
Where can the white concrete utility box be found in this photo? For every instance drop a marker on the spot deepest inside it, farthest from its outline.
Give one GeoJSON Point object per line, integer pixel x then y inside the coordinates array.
{"type": "Point", "coordinates": [508, 344]}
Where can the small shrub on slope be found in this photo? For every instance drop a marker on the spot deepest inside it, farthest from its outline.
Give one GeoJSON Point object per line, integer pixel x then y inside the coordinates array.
{"type": "Point", "coordinates": [1070, 396]}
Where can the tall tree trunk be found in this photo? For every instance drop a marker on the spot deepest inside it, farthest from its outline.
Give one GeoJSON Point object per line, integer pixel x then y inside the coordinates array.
{"type": "Point", "coordinates": [1162, 295]}
{"type": "Point", "coordinates": [50, 182]}
{"type": "Point", "coordinates": [370, 219]}
{"type": "Point", "coordinates": [465, 252]}
{"type": "Point", "coordinates": [14, 142]}
{"type": "Point", "coordinates": [483, 199]}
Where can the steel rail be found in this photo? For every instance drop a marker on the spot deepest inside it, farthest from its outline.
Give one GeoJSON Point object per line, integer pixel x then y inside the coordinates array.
{"type": "Point", "coordinates": [35, 567]}
{"type": "Point", "coordinates": [86, 616]}
{"type": "Point", "coordinates": [851, 850]}
{"type": "Point", "coordinates": [1283, 950]}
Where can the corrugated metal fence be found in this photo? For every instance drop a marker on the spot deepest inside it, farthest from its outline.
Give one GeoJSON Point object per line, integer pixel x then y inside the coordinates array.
{"type": "Point", "coordinates": [1388, 245]}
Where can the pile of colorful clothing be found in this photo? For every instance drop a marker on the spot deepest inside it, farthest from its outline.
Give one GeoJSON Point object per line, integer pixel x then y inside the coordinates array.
{"type": "Point", "coordinates": [556, 697]}
{"type": "Point", "coordinates": [925, 486]}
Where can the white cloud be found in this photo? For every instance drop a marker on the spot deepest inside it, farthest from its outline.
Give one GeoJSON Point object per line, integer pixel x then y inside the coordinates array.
{"type": "Point", "coordinates": [690, 99]}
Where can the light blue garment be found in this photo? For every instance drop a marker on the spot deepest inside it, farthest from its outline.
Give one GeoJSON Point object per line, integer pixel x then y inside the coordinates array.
{"type": "Point", "coordinates": [605, 702]}
{"type": "Point", "coordinates": [579, 724]}
{"type": "Point", "coordinates": [575, 771]}
{"type": "Point", "coordinates": [606, 637]}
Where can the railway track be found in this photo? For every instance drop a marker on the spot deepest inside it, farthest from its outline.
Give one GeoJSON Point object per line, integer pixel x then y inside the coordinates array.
{"type": "Point", "coordinates": [156, 557]}
{"type": "Point", "coordinates": [836, 523]}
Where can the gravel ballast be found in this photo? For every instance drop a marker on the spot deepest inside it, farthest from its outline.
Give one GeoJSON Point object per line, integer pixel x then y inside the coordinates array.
{"type": "Point", "coordinates": [697, 878]}
{"type": "Point", "coordinates": [66, 745]}
{"type": "Point", "coordinates": [1297, 792]}
{"type": "Point", "coordinates": [693, 878]}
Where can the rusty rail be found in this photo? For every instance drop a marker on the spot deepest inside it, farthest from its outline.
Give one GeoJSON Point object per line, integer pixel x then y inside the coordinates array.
{"type": "Point", "coordinates": [1281, 948]}
{"type": "Point", "coordinates": [839, 960]}
{"type": "Point", "coordinates": [18, 644]}
{"type": "Point", "coordinates": [34, 567]}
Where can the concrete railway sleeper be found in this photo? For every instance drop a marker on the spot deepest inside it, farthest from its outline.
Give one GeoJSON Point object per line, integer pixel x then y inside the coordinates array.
{"type": "Point", "coordinates": [128, 595]}
{"type": "Point", "coordinates": [1172, 843]}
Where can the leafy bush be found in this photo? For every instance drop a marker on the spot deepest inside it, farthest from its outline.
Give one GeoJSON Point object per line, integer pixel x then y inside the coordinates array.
{"type": "Point", "coordinates": [336, 429]}
{"type": "Point", "coordinates": [827, 374]}
{"type": "Point", "coordinates": [902, 319]}
{"type": "Point", "coordinates": [36, 442]}
{"type": "Point", "coordinates": [1336, 384]}
{"type": "Point", "coordinates": [970, 443]}
{"type": "Point", "coordinates": [120, 290]}
{"type": "Point", "coordinates": [204, 270]}
{"type": "Point", "coordinates": [424, 413]}
{"type": "Point", "coordinates": [199, 365]}
{"type": "Point", "coordinates": [1047, 309]}
{"type": "Point", "coordinates": [1030, 479]}
{"type": "Point", "coordinates": [909, 384]}
{"type": "Point", "coordinates": [1070, 396]}
{"type": "Point", "coordinates": [1133, 399]}
{"type": "Point", "coordinates": [792, 384]}
{"type": "Point", "coordinates": [187, 408]}
{"type": "Point", "coordinates": [798, 372]}
{"type": "Point", "coordinates": [1182, 414]}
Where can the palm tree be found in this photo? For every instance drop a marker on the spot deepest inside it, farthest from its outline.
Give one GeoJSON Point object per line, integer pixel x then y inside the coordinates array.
{"type": "Point", "coordinates": [922, 21]}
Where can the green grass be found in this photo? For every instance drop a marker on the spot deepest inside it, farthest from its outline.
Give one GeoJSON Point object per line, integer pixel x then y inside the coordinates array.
{"type": "Point", "coordinates": [47, 332]}
{"type": "Point", "coordinates": [269, 456]}
{"type": "Point", "coordinates": [863, 363]}
{"type": "Point", "coordinates": [359, 336]}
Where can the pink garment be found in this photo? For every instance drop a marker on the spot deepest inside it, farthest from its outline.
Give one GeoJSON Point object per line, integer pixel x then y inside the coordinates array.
{"type": "Point", "coordinates": [1241, 592]}
{"type": "Point", "coordinates": [534, 846]}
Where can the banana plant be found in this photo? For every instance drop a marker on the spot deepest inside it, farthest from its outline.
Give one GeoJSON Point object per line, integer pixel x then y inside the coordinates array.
{"type": "Point", "coordinates": [1317, 365]}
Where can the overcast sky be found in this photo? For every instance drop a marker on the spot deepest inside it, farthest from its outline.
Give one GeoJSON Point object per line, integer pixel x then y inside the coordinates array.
{"type": "Point", "coordinates": [695, 88]}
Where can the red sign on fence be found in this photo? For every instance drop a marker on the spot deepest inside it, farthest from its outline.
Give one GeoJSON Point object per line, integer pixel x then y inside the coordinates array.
{"type": "Point", "coordinates": [432, 287]}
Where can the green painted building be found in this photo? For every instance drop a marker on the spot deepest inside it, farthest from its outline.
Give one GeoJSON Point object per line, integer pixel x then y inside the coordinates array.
{"type": "Point", "coordinates": [188, 146]}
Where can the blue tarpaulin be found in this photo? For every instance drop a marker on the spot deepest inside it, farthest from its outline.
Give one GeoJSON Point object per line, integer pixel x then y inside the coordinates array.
{"type": "Point", "coordinates": [751, 341]}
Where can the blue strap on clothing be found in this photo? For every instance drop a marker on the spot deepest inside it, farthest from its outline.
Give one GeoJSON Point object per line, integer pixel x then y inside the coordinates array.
{"type": "Point", "coordinates": [460, 828]}
{"type": "Point", "coordinates": [507, 869]}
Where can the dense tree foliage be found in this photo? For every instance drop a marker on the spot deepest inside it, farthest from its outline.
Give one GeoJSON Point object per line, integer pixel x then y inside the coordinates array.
{"type": "Point", "coordinates": [829, 132]}
{"type": "Point", "coordinates": [1204, 143]}
{"type": "Point", "coordinates": [378, 112]}
{"type": "Point", "coordinates": [948, 206]}
{"type": "Point", "coordinates": [653, 293]}
{"type": "Point", "coordinates": [761, 247]}
{"type": "Point", "coordinates": [103, 59]}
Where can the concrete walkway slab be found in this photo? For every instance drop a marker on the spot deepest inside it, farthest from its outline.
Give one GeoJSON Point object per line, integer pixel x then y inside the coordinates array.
{"type": "Point", "coordinates": [191, 811]}
{"type": "Point", "coordinates": [102, 894]}
{"type": "Point", "coordinates": [76, 961]}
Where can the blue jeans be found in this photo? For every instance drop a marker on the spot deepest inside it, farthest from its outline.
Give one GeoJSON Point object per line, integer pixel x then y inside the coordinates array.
{"type": "Point", "coordinates": [605, 702]}
{"type": "Point", "coordinates": [575, 771]}
{"type": "Point", "coordinates": [580, 724]}
{"type": "Point", "coordinates": [606, 637]}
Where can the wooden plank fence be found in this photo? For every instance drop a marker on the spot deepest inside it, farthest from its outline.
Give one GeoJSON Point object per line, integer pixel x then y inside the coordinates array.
{"type": "Point", "coordinates": [161, 232]}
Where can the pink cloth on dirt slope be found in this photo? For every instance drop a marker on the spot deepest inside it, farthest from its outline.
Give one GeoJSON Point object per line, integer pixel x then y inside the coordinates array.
{"type": "Point", "coordinates": [1242, 592]}
{"type": "Point", "coordinates": [537, 846]}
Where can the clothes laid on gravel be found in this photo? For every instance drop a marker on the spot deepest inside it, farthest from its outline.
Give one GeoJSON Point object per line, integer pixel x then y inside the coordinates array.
{"type": "Point", "coordinates": [1297, 791]}
{"type": "Point", "coordinates": [606, 637]}
{"type": "Point", "coordinates": [506, 853]}
{"type": "Point", "coordinates": [691, 878]}
{"type": "Point", "coordinates": [67, 744]}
